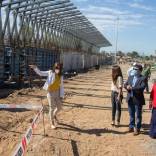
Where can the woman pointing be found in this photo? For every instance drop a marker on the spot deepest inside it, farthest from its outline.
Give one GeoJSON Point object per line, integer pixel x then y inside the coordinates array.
{"type": "Point", "coordinates": [54, 88]}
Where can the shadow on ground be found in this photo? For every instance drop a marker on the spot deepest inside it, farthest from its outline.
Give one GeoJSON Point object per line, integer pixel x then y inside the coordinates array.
{"type": "Point", "coordinates": [97, 132]}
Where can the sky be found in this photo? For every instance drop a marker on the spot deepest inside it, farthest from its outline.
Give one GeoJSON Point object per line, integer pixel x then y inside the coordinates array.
{"type": "Point", "coordinates": [136, 23]}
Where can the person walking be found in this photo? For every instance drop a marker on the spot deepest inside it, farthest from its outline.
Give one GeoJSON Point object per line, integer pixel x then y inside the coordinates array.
{"type": "Point", "coordinates": [135, 86]}
{"type": "Point", "coordinates": [146, 73]}
{"type": "Point", "coordinates": [116, 93]}
{"type": "Point", "coordinates": [152, 105]}
{"type": "Point", "coordinates": [54, 88]}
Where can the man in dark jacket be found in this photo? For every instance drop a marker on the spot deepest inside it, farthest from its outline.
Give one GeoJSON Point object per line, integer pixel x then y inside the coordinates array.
{"type": "Point", "coordinates": [135, 86]}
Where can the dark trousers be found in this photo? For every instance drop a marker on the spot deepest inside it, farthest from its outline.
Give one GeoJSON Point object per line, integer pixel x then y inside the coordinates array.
{"type": "Point", "coordinates": [146, 85]}
{"type": "Point", "coordinates": [135, 109]}
{"type": "Point", "coordinates": [116, 106]}
{"type": "Point", "coordinates": [152, 131]}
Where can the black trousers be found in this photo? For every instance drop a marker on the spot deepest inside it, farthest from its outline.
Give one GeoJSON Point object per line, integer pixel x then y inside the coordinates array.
{"type": "Point", "coordinates": [146, 85]}
{"type": "Point", "coordinates": [116, 106]}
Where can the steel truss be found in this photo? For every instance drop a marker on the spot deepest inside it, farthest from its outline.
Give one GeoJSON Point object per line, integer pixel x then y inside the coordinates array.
{"type": "Point", "coordinates": [53, 25]}
{"type": "Point", "coordinates": [50, 24]}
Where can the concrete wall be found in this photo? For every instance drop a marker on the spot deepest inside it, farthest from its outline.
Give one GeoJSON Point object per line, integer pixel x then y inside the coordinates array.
{"type": "Point", "coordinates": [76, 61]}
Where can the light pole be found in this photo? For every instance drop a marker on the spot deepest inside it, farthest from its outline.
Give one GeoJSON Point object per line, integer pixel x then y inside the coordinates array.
{"type": "Point", "coordinates": [117, 36]}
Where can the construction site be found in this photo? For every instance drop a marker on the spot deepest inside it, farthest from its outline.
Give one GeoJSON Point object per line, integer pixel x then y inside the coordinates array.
{"type": "Point", "coordinates": [41, 33]}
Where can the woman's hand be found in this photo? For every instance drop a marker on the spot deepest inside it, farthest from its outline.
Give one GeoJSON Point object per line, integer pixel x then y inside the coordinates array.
{"type": "Point", "coordinates": [150, 104]}
{"type": "Point", "coordinates": [32, 66]}
{"type": "Point", "coordinates": [129, 87]}
{"type": "Point", "coordinates": [118, 98]}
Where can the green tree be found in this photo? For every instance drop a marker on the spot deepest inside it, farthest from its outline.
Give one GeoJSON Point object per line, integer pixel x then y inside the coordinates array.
{"type": "Point", "coordinates": [147, 58]}
{"type": "Point", "coordinates": [133, 54]}
{"type": "Point", "coordinates": [120, 53]}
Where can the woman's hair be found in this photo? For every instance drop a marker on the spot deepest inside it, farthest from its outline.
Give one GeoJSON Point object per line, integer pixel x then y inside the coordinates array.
{"type": "Point", "coordinates": [58, 66]}
{"type": "Point", "coordinates": [116, 72]}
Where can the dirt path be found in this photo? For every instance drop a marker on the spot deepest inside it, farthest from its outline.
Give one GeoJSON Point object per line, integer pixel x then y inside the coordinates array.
{"type": "Point", "coordinates": [84, 128]}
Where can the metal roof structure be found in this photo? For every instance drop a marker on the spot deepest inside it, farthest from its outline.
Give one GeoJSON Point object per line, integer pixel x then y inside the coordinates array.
{"type": "Point", "coordinates": [48, 23]}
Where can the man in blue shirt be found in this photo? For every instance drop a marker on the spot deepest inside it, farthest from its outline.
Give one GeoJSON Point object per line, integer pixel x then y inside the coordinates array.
{"type": "Point", "coordinates": [135, 86]}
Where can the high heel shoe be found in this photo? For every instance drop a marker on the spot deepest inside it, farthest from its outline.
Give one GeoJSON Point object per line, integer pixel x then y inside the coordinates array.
{"type": "Point", "coordinates": [113, 123]}
{"type": "Point", "coordinates": [53, 125]}
{"type": "Point", "coordinates": [118, 124]}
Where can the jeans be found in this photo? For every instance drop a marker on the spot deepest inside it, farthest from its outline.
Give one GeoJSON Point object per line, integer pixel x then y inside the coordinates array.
{"type": "Point", "coordinates": [135, 109]}
{"type": "Point", "coordinates": [116, 106]}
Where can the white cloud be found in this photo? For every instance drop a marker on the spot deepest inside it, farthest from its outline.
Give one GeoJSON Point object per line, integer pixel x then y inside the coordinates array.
{"type": "Point", "coordinates": [114, 1]}
{"type": "Point", "coordinates": [138, 1]}
{"type": "Point", "coordinates": [105, 10]}
{"type": "Point", "coordinates": [79, 0]}
{"type": "Point", "coordinates": [105, 17]}
{"type": "Point", "coordinates": [141, 6]}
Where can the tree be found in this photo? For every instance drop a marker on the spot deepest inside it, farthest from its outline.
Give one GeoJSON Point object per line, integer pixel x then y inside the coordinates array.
{"type": "Point", "coordinates": [147, 58]}
{"type": "Point", "coordinates": [133, 54]}
{"type": "Point", "coordinates": [120, 53]}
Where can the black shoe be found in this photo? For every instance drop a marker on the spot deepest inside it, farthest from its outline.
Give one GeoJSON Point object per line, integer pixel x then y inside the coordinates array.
{"type": "Point", "coordinates": [130, 130]}
{"type": "Point", "coordinates": [118, 124]}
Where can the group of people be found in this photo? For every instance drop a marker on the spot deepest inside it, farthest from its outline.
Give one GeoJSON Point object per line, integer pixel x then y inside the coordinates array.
{"type": "Point", "coordinates": [135, 85]}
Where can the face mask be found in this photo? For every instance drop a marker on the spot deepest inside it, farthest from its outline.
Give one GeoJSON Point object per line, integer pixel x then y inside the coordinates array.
{"type": "Point", "coordinates": [136, 73]}
{"type": "Point", "coordinates": [57, 71]}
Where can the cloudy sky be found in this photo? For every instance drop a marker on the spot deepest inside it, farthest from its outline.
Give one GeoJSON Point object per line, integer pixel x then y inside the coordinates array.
{"type": "Point", "coordinates": [137, 22]}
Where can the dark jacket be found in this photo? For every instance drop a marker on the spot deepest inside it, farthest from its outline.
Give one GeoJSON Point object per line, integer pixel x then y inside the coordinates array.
{"type": "Point", "coordinates": [138, 90]}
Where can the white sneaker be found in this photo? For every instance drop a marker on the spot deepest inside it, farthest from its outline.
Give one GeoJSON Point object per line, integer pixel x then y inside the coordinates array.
{"type": "Point", "coordinates": [53, 126]}
{"type": "Point", "coordinates": [113, 123]}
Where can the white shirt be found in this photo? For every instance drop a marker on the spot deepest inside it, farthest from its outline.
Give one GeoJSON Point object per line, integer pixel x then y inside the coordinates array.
{"type": "Point", "coordinates": [50, 79]}
{"type": "Point", "coordinates": [118, 85]}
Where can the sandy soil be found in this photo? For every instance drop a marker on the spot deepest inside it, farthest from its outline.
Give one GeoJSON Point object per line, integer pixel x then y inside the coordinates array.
{"type": "Point", "coordinates": [84, 128]}
{"type": "Point", "coordinates": [14, 123]}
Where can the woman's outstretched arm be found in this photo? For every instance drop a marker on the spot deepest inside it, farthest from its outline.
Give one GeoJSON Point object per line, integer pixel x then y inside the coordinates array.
{"type": "Point", "coordinates": [38, 71]}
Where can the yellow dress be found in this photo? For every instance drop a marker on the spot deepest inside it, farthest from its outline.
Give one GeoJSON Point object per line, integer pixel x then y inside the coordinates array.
{"type": "Point", "coordinates": [56, 84]}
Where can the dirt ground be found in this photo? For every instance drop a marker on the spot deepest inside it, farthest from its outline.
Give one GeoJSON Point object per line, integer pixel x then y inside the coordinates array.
{"type": "Point", "coordinates": [84, 128]}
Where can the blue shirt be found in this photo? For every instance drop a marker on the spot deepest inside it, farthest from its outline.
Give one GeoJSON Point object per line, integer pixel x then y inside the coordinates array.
{"type": "Point", "coordinates": [135, 78]}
